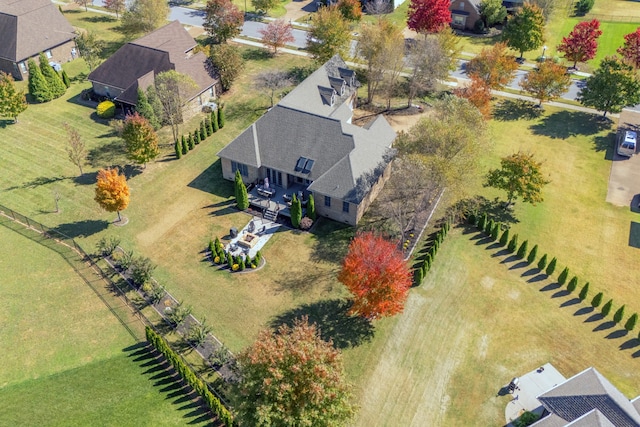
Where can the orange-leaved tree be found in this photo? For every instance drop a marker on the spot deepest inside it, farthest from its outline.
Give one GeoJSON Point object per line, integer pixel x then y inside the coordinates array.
{"type": "Point", "coordinates": [547, 82]}
{"type": "Point", "coordinates": [478, 93]}
{"type": "Point", "coordinates": [112, 191]}
{"type": "Point", "coordinates": [494, 66]}
{"type": "Point", "coordinates": [376, 275]}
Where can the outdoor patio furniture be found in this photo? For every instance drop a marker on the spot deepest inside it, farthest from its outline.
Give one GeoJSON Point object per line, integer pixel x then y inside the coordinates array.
{"type": "Point", "coordinates": [287, 198]}
{"type": "Point", "coordinates": [265, 192]}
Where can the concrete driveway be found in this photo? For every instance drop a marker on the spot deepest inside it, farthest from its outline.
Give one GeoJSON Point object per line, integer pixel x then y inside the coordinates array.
{"type": "Point", "coordinates": [624, 180]}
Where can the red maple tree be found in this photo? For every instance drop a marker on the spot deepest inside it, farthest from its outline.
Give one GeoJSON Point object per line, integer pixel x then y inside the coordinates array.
{"type": "Point", "coordinates": [376, 275]}
{"type": "Point", "coordinates": [630, 50]}
{"type": "Point", "coordinates": [428, 16]}
{"type": "Point", "coordinates": [276, 35]}
{"type": "Point", "coordinates": [582, 42]}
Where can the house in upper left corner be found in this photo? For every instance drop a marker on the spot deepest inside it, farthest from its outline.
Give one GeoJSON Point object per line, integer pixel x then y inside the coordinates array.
{"type": "Point", "coordinates": [28, 27]}
{"type": "Point", "coordinates": [136, 64]}
{"type": "Point", "coordinates": [464, 14]}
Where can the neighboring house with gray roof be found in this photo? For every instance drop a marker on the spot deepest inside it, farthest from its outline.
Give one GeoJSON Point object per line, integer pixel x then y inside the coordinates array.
{"type": "Point", "coordinates": [135, 65]}
{"type": "Point", "coordinates": [588, 399]}
{"type": "Point", "coordinates": [28, 27]}
{"type": "Point", "coordinates": [308, 139]}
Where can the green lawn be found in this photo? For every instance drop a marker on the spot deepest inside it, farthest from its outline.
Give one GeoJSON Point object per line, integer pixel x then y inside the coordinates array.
{"type": "Point", "coordinates": [66, 359]}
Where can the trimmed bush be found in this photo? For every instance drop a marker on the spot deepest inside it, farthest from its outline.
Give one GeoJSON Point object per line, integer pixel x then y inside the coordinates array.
{"type": "Point", "coordinates": [311, 208]}
{"type": "Point", "coordinates": [495, 231]}
{"type": "Point", "coordinates": [584, 292]}
{"type": "Point", "coordinates": [471, 219]}
{"type": "Point", "coordinates": [630, 324]}
{"type": "Point", "coordinates": [38, 86]}
{"type": "Point", "coordinates": [482, 221]}
{"type": "Point", "coordinates": [106, 109]}
{"type": "Point", "coordinates": [505, 238]}
{"type": "Point", "coordinates": [522, 251]}
{"type": "Point", "coordinates": [185, 146]}
{"type": "Point", "coordinates": [488, 227]}
{"type": "Point", "coordinates": [65, 79]}
{"type": "Point", "coordinates": [203, 131]}
{"type": "Point", "coordinates": [418, 276]}
{"type": "Point", "coordinates": [221, 118]}
{"type": "Point", "coordinates": [584, 6]}
{"type": "Point", "coordinates": [533, 255]}
{"type": "Point", "coordinates": [619, 314]}
{"type": "Point", "coordinates": [562, 278]}
{"type": "Point", "coordinates": [141, 270]}
{"type": "Point", "coordinates": [551, 267]}
{"type": "Point", "coordinates": [214, 121]}
{"type": "Point", "coordinates": [306, 223]}
{"type": "Point", "coordinates": [606, 308]}
{"type": "Point", "coordinates": [542, 263]}
{"type": "Point", "coordinates": [513, 244]}
{"type": "Point", "coordinates": [573, 284]}
{"type": "Point", "coordinates": [177, 149]}
{"type": "Point", "coordinates": [190, 141]}
{"type": "Point", "coordinates": [207, 126]}
{"type": "Point", "coordinates": [196, 137]}
{"type": "Point", "coordinates": [296, 211]}
{"type": "Point", "coordinates": [597, 300]}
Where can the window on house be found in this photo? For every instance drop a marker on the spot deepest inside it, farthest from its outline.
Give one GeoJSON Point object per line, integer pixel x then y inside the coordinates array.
{"type": "Point", "coordinates": [461, 5]}
{"type": "Point", "coordinates": [458, 20]}
{"type": "Point", "coordinates": [345, 207]}
{"type": "Point", "coordinates": [244, 170]}
{"type": "Point", "coordinates": [48, 53]}
{"type": "Point", "coordinates": [327, 201]}
{"type": "Point", "coordinates": [23, 67]}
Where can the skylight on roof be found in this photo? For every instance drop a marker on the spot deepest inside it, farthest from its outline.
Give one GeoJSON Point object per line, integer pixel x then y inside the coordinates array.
{"type": "Point", "coordinates": [300, 164]}
{"type": "Point", "coordinates": [307, 166]}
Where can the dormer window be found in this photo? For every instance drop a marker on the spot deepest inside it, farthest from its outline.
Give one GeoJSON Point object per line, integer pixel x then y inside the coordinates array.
{"type": "Point", "coordinates": [333, 98]}
{"type": "Point", "coordinates": [342, 88]}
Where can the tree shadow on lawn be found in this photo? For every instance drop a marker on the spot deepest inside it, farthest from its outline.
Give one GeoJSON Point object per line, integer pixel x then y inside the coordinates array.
{"type": "Point", "coordinates": [96, 19]}
{"type": "Point", "coordinates": [333, 322]}
{"type": "Point", "coordinates": [584, 310]}
{"type": "Point", "coordinates": [84, 228]}
{"type": "Point", "coordinates": [37, 182]}
{"type": "Point", "coordinates": [531, 272]}
{"type": "Point", "coordinates": [107, 154]}
{"type": "Point", "coordinates": [617, 334]}
{"type": "Point", "coordinates": [211, 181]}
{"type": "Point", "coordinates": [605, 143]}
{"type": "Point", "coordinates": [169, 383]}
{"type": "Point", "coordinates": [594, 318]}
{"type": "Point", "coordinates": [256, 54]}
{"type": "Point", "coordinates": [331, 241]}
{"type": "Point", "coordinates": [604, 326]}
{"type": "Point", "coordinates": [564, 124]}
{"type": "Point", "coordinates": [87, 178]}
{"type": "Point", "coordinates": [572, 301]}
{"type": "Point", "coordinates": [302, 282]}
{"type": "Point", "coordinates": [631, 343]}
{"type": "Point", "coordinates": [516, 109]}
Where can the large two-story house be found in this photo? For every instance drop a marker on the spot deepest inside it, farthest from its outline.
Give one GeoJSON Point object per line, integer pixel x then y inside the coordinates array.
{"type": "Point", "coordinates": [136, 64]}
{"type": "Point", "coordinates": [29, 27]}
{"type": "Point", "coordinates": [307, 141]}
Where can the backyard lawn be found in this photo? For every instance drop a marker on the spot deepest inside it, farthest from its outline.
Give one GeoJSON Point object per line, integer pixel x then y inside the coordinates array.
{"type": "Point", "coordinates": [467, 331]}
{"type": "Point", "coordinates": [66, 359]}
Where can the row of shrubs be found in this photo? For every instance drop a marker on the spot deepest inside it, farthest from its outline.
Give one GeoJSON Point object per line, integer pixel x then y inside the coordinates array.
{"type": "Point", "coordinates": [208, 127]}
{"type": "Point", "coordinates": [235, 263]}
{"type": "Point", "coordinates": [493, 229]}
{"type": "Point", "coordinates": [423, 268]}
{"type": "Point", "coordinates": [190, 377]}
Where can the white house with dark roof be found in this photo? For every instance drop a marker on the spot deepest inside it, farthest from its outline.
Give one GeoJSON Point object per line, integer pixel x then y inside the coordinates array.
{"type": "Point", "coordinates": [135, 65]}
{"type": "Point", "coordinates": [588, 400]}
{"type": "Point", "coordinates": [307, 143]}
{"type": "Point", "coordinates": [29, 27]}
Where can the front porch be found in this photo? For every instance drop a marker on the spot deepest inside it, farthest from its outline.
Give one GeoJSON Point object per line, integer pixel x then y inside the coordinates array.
{"type": "Point", "coordinates": [276, 200]}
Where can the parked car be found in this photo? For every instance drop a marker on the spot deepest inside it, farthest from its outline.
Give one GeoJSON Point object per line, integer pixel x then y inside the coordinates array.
{"type": "Point", "coordinates": [627, 146]}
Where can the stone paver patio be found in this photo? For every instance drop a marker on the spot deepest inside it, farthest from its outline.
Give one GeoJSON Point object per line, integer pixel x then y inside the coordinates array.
{"type": "Point", "coordinates": [262, 228]}
{"type": "Point", "coordinates": [530, 386]}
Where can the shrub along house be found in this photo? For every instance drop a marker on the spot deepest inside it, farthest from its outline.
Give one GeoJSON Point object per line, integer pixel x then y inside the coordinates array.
{"type": "Point", "coordinates": [307, 144]}
{"type": "Point", "coordinates": [28, 27]}
{"type": "Point", "coordinates": [135, 65]}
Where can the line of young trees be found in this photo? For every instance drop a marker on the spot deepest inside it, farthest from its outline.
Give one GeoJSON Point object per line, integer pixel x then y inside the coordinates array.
{"type": "Point", "coordinates": [210, 125]}
{"type": "Point", "coordinates": [45, 84]}
{"type": "Point", "coordinates": [189, 376]}
{"type": "Point", "coordinates": [430, 250]}
{"type": "Point", "coordinates": [493, 229]}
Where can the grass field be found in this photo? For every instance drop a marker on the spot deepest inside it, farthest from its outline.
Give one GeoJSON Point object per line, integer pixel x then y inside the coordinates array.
{"type": "Point", "coordinates": [63, 349]}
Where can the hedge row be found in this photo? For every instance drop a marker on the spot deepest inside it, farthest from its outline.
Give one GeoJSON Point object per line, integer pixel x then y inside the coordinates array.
{"type": "Point", "coordinates": [424, 266]}
{"type": "Point", "coordinates": [237, 263]}
{"type": "Point", "coordinates": [492, 230]}
{"type": "Point", "coordinates": [189, 376]}
{"type": "Point", "coordinates": [208, 127]}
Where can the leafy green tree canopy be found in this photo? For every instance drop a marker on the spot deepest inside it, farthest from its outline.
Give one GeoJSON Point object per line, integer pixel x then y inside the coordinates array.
{"type": "Point", "coordinates": [520, 175]}
{"type": "Point", "coordinates": [12, 101]}
{"type": "Point", "coordinates": [329, 35]}
{"type": "Point", "coordinates": [524, 31]}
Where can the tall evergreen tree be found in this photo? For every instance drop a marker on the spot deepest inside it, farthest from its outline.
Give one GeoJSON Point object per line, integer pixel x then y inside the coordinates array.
{"type": "Point", "coordinates": [185, 146]}
{"type": "Point", "coordinates": [65, 79]}
{"type": "Point", "coordinates": [214, 121]}
{"type": "Point", "coordinates": [552, 266]}
{"type": "Point", "coordinates": [311, 208]}
{"type": "Point", "coordinates": [533, 255]}
{"type": "Point", "coordinates": [38, 86]}
{"type": "Point", "coordinates": [584, 293]}
{"type": "Point", "coordinates": [597, 300]}
{"type": "Point", "coordinates": [542, 263]}
{"type": "Point", "coordinates": [296, 211]}
{"type": "Point", "coordinates": [56, 86]}
{"type": "Point", "coordinates": [221, 118]}
{"type": "Point", "coordinates": [12, 102]}
{"type": "Point", "coordinates": [144, 108]}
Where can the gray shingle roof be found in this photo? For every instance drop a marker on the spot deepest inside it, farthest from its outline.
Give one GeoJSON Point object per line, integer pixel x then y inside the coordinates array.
{"type": "Point", "coordinates": [28, 27]}
{"type": "Point", "coordinates": [342, 152]}
{"type": "Point", "coordinates": [167, 48]}
{"type": "Point", "coordinates": [586, 392]}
